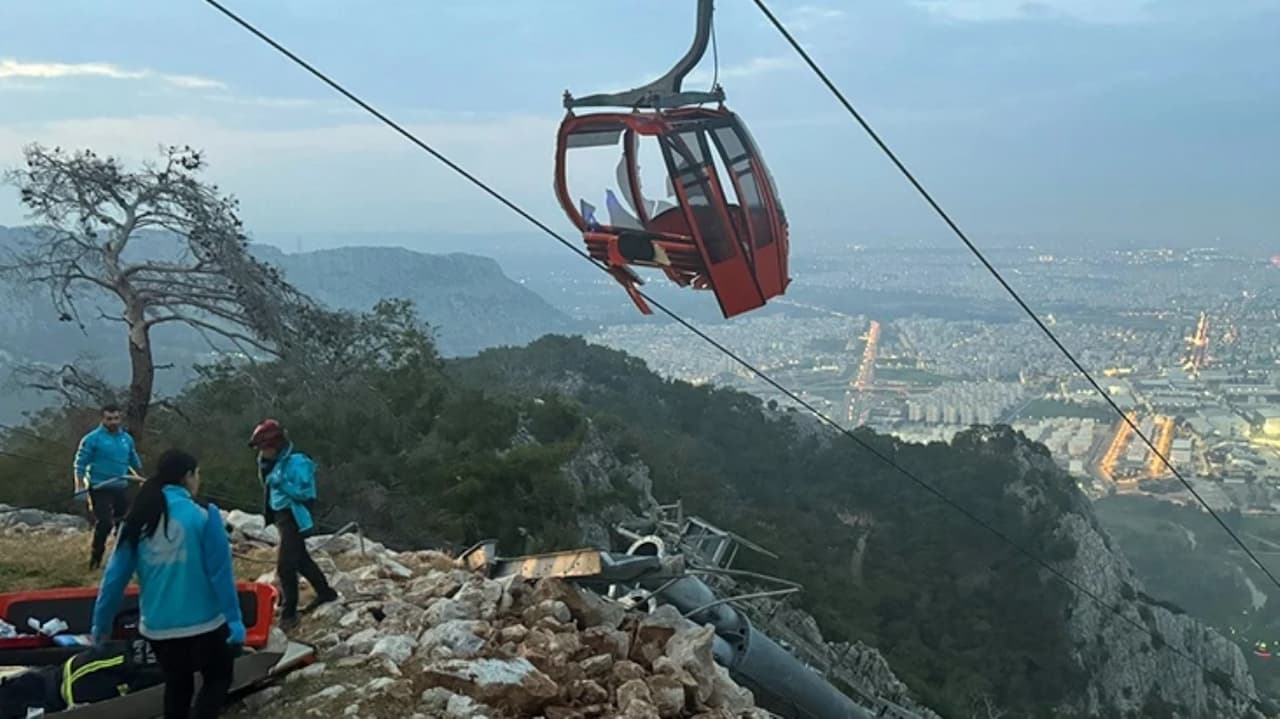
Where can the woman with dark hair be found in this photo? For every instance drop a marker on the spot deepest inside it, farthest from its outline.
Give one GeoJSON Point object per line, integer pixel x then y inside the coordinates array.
{"type": "Point", "coordinates": [190, 612]}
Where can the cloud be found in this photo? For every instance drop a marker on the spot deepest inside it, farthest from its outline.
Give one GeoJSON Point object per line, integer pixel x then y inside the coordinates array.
{"type": "Point", "coordinates": [810, 17]}
{"type": "Point", "coordinates": [1090, 11]}
{"type": "Point", "coordinates": [10, 68]}
{"type": "Point", "coordinates": [345, 175]}
{"type": "Point", "coordinates": [16, 75]}
{"type": "Point", "coordinates": [751, 68]}
{"type": "Point", "coordinates": [277, 103]}
{"type": "Point", "coordinates": [192, 82]}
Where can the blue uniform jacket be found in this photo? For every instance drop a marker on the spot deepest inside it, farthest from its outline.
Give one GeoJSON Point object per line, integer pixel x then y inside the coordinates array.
{"type": "Point", "coordinates": [291, 484]}
{"type": "Point", "coordinates": [104, 455]}
{"type": "Point", "coordinates": [184, 576]}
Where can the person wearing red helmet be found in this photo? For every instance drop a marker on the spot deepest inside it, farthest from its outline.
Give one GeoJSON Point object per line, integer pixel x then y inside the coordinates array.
{"type": "Point", "coordinates": [289, 482]}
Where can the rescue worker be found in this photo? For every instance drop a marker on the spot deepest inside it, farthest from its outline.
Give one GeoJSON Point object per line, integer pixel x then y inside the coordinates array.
{"type": "Point", "coordinates": [190, 611]}
{"type": "Point", "coordinates": [102, 465]}
{"type": "Point", "coordinates": [289, 484]}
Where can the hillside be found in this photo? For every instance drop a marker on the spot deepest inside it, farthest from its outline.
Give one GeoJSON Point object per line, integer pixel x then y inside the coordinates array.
{"type": "Point", "coordinates": [416, 634]}
{"type": "Point", "coordinates": [546, 446]}
{"type": "Point", "coordinates": [1183, 556]}
{"type": "Point", "coordinates": [466, 298]}
{"type": "Point", "coordinates": [959, 614]}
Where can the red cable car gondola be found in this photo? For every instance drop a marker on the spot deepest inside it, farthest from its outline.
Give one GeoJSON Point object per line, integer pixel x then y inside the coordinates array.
{"type": "Point", "coordinates": [721, 228]}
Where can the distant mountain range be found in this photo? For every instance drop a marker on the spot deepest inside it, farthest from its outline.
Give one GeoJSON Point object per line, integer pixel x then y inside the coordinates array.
{"type": "Point", "coordinates": [467, 299]}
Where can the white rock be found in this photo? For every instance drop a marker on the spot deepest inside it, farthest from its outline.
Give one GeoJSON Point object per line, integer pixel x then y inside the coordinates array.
{"type": "Point", "coordinates": [362, 641]}
{"type": "Point", "coordinates": [483, 596]}
{"type": "Point", "coordinates": [329, 612]}
{"type": "Point", "coordinates": [397, 647]}
{"type": "Point", "coordinates": [464, 707]}
{"type": "Point", "coordinates": [343, 583]}
{"type": "Point", "coordinates": [446, 610]}
{"type": "Point", "coordinates": [393, 569]}
{"type": "Point", "coordinates": [365, 573]}
{"type": "Point", "coordinates": [456, 638]}
{"type": "Point", "coordinates": [244, 521]}
{"type": "Point", "coordinates": [353, 618]}
{"type": "Point", "coordinates": [515, 682]}
{"type": "Point", "coordinates": [306, 672]}
{"type": "Point", "coordinates": [377, 685]}
{"type": "Point", "coordinates": [330, 692]}
{"type": "Point", "coordinates": [435, 700]}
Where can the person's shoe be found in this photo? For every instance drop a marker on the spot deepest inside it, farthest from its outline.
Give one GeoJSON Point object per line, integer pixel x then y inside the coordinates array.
{"type": "Point", "coordinates": [287, 622]}
{"type": "Point", "coordinates": [320, 600]}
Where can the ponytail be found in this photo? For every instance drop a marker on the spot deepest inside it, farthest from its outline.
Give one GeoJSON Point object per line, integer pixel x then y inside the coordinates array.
{"type": "Point", "coordinates": [149, 508]}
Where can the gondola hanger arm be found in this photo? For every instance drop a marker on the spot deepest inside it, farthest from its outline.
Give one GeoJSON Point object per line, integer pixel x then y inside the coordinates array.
{"type": "Point", "coordinates": [665, 92]}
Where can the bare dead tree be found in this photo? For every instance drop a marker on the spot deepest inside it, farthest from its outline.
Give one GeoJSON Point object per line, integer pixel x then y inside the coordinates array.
{"type": "Point", "coordinates": [88, 209]}
{"type": "Point", "coordinates": [77, 384]}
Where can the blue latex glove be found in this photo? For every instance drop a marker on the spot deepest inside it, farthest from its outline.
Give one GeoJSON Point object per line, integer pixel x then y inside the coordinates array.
{"type": "Point", "coordinates": [237, 634]}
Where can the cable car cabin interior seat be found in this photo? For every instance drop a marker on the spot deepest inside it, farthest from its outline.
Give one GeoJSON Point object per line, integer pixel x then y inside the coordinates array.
{"type": "Point", "coordinates": [738, 249]}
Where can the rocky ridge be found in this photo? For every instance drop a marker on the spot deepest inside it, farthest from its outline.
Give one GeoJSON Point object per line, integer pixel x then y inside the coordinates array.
{"type": "Point", "coordinates": [416, 636]}
{"type": "Point", "coordinates": [1169, 664]}
{"type": "Point", "coordinates": [414, 630]}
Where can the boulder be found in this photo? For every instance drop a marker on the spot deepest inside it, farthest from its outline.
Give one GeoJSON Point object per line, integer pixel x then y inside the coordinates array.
{"type": "Point", "coordinates": [587, 608]}
{"type": "Point", "coordinates": [513, 684]}
{"type": "Point", "coordinates": [548, 608]}
{"type": "Point", "coordinates": [396, 647]}
{"type": "Point", "coordinates": [603, 640]}
{"type": "Point", "coordinates": [449, 609]}
{"type": "Point", "coordinates": [632, 691]}
{"type": "Point", "coordinates": [362, 641]}
{"type": "Point", "coordinates": [392, 569]}
{"type": "Point", "coordinates": [480, 597]}
{"type": "Point", "coordinates": [668, 695]}
{"type": "Point", "coordinates": [434, 585]}
{"type": "Point", "coordinates": [457, 638]}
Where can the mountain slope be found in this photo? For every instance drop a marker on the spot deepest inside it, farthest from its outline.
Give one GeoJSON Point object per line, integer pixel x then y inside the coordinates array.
{"type": "Point", "coordinates": [961, 616]}
{"type": "Point", "coordinates": [467, 299]}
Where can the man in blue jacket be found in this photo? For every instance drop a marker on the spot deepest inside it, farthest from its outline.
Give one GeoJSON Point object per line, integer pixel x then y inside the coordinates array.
{"type": "Point", "coordinates": [289, 481]}
{"type": "Point", "coordinates": [102, 464]}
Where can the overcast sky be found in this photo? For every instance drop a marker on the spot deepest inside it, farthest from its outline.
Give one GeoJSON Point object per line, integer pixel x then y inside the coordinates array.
{"type": "Point", "coordinates": [1142, 121]}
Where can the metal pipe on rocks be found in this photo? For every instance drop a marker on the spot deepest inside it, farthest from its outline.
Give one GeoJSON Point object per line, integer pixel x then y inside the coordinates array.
{"type": "Point", "coordinates": [779, 682]}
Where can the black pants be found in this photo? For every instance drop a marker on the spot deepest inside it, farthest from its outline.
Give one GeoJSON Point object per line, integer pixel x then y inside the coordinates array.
{"type": "Point", "coordinates": [180, 659]}
{"type": "Point", "coordinates": [109, 507]}
{"type": "Point", "coordinates": [293, 558]}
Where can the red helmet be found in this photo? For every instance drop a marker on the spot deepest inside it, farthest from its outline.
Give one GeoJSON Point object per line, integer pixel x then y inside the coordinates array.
{"type": "Point", "coordinates": [268, 433]}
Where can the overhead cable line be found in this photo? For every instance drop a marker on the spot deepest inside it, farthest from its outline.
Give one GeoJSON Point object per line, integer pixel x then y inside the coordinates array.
{"type": "Point", "coordinates": [955, 228]}
{"type": "Point", "coordinates": [487, 189]}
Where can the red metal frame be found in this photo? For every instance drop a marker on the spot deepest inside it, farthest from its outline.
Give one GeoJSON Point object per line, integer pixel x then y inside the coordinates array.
{"type": "Point", "coordinates": [741, 281]}
{"type": "Point", "coordinates": [257, 628]}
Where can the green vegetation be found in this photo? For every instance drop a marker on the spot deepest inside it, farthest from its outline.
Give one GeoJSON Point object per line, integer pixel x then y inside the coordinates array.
{"type": "Point", "coordinates": [956, 612]}
{"type": "Point", "coordinates": [426, 452]}
{"type": "Point", "coordinates": [419, 459]}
